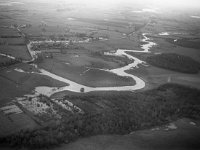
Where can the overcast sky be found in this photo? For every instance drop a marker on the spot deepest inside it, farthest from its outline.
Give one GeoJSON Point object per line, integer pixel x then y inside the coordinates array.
{"type": "Point", "coordinates": [163, 3]}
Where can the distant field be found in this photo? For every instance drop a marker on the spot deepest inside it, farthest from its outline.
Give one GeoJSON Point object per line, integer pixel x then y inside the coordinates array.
{"type": "Point", "coordinates": [155, 76]}
{"type": "Point", "coordinates": [97, 46]}
{"type": "Point", "coordinates": [4, 59]}
{"type": "Point", "coordinates": [122, 43]}
{"type": "Point", "coordinates": [44, 30]}
{"type": "Point", "coordinates": [190, 43]}
{"type": "Point", "coordinates": [16, 51]}
{"type": "Point", "coordinates": [101, 78]}
{"type": "Point", "coordinates": [80, 58]}
{"type": "Point", "coordinates": [8, 32]}
{"type": "Point", "coordinates": [174, 62]}
{"type": "Point", "coordinates": [14, 123]}
{"type": "Point", "coordinates": [18, 84]}
{"type": "Point", "coordinates": [167, 47]}
{"type": "Point", "coordinates": [12, 41]}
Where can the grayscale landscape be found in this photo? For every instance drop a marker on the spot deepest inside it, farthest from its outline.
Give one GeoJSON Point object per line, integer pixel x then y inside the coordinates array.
{"type": "Point", "coordinates": [100, 74]}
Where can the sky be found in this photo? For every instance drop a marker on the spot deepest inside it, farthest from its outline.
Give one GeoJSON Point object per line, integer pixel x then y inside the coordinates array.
{"type": "Point", "coordinates": [184, 4]}
{"type": "Point", "coordinates": [172, 3]}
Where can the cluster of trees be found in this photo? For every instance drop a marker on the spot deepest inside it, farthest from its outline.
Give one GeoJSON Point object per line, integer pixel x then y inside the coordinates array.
{"type": "Point", "coordinates": [42, 56]}
{"type": "Point", "coordinates": [44, 45]}
{"type": "Point", "coordinates": [58, 37]}
{"type": "Point", "coordinates": [122, 61]}
{"type": "Point", "coordinates": [81, 35]}
{"type": "Point", "coordinates": [124, 112]}
{"type": "Point", "coordinates": [174, 62]}
{"type": "Point", "coordinates": [72, 46]}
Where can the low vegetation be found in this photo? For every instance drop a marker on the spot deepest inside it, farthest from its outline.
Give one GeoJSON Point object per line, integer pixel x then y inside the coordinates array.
{"type": "Point", "coordinates": [114, 113]}
{"type": "Point", "coordinates": [174, 62]}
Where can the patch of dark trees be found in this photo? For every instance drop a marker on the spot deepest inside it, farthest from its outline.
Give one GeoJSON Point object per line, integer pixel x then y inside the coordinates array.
{"type": "Point", "coordinates": [123, 114]}
{"type": "Point", "coordinates": [174, 62]}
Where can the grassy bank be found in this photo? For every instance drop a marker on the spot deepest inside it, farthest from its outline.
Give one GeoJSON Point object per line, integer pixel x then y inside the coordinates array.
{"type": "Point", "coordinates": [85, 76]}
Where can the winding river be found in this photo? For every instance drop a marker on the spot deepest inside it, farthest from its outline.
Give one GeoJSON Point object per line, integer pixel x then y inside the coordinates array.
{"type": "Point", "coordinates": [75, 87]}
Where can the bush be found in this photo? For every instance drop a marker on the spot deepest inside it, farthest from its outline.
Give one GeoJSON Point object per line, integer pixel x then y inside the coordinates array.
{"type": "Point", "coordinates": [82, 90]}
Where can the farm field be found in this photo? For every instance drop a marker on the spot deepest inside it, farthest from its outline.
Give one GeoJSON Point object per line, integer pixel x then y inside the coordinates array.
{"type": "Point", "coordinates": [7, 32]}
{"type": "Point", "coordinates": [16, 51]}
{"type": "Point", "coordinates": [108, 74]}
{"type": "Point", "coordinates": [13, 41]}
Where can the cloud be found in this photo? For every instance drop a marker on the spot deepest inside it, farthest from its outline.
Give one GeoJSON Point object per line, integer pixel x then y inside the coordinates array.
{"type": "Point", "coordinates": [162, 3]}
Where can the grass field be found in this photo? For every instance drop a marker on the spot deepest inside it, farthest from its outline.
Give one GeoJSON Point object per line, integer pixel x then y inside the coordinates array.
{"type": "Point", "coordinates": [190, 43]}
{"type": "Point", "coordinates": [4, 59]}
{"type": "Point", "coordinates": [16, 51]}
{"type": "Point", "coordinates": [15, 122]}
{"type": "Point", "coordinates": [19, 84]}
{"type": "Point", "coordinates": [166, 47]}
{"type": "Point", "coordinates": [8, 32]}
{"type": "Point", "coordinates": [79, 74]}
{"type": "Point", "coordinates": [172, 61]}
{"type": "Point", "coordinates": [13, 41]}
